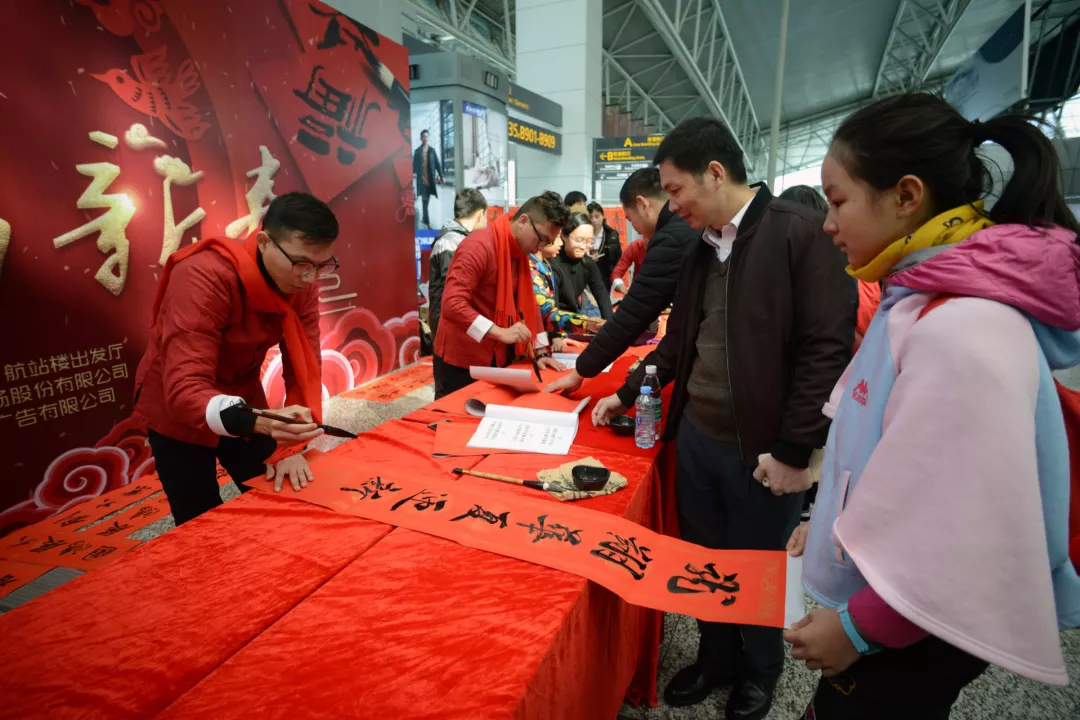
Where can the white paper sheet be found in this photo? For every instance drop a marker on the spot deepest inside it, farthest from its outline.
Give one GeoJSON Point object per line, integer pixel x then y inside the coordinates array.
{"type": "Point", "coordinates": [794, 610]}
{"type": "Point", "coordinates": [520, 380]}
{"type": "Point", "coordinates": [570, 360]}
{"type": "Point", "coordinates": [527, 430]}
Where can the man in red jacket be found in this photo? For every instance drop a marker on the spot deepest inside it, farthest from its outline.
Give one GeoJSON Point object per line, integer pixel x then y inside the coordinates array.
{"type": "Point", "coordinates": [488, 302]}
{"type": "Point", "coordinates": [220, 306]}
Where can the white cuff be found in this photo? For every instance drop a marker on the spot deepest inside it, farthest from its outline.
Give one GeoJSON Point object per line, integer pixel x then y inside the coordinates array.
{"type": "Point", "coordinates": [213, 412]}
{"type": "Point", "coordinates": [541, 341]}
{"type": "Point", "coordinates": [480, 327]}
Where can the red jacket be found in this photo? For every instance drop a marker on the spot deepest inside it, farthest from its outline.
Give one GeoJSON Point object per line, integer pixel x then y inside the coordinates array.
{"type": "Point", "coordinates": [206, 343]}
{"type": "Point", "coordinates": [468, 303]}
{"type": "Point", "coordinates": [634, 254]}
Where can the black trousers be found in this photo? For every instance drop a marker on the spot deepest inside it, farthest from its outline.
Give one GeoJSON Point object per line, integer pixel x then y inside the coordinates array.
{"type": "Point", "coordinates": [426, 191]}
{"type": "Point", "coordinates": [721, 506]}
{"type": "Point", "coordinates": [449, 378]}
{"type": "Point", "coordinates": [920, 681]}
{"type": "Point", "coordinates": [188, 472]}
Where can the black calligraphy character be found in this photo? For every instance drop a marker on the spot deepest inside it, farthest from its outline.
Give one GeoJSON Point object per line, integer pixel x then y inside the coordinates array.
{"type": "Point", "coordinates": [48, 545]}
{"type": "Point", "coordinates": [424, 500]}
{"type": "Point", "coordinates": [555, 531]}
{"type": "Point", "coordinates": [348, 116]}
{"type": "Point", "coordinates": [372, 488]}
{"type": "Point", "coordinates": [114, 528]}
{"type": "Point", "coordinates": [144, 511]}
{"type": "Point", "coordinates": [6, 580]}
{"type": "Point", "coordinates": [75, 517]}
{"type": "Point", "coordinates": [103, 551]}
{"type": "Point", "coordinates": [137, 490]}
{"type": "Point", "coordinates": [707, 579]}
{"type": "Point", "coordinates": [625, 552]}
{"type": "Point", "coordinates": [106, 503]}
{"type": "Point", "coordinates": [76, 547]}
{"type": "Point", "coordinates": [341, 24]}
{"type": "Point", "coordinates": [24, 540]}
{"type": "Point", "coordinates": [487, 516]}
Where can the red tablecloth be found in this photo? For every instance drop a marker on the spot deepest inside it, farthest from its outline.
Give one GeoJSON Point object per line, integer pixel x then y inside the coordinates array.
{"type": "Point", "coordinates": [128, 639]}
{"type": "Point", "coordinates": [270, 606]}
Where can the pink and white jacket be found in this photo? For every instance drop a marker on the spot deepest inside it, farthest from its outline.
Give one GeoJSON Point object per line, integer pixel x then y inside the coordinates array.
{"type": "Point", "coordinates": [945, 487]}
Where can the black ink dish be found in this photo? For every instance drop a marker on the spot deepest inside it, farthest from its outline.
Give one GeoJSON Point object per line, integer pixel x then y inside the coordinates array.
{"type": "Point", "coordinates": [623, 425]}
{"type": "Point", "coordinates": [590, 479]}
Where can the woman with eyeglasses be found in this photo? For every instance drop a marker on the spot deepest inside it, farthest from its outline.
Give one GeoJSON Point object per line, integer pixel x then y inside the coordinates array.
{"type": "Point", "coordinates": [557, 323]}
{"type": "Point", "coordinates": [220, 306]}
{"type": "Point", "coordinates": [575, 271]}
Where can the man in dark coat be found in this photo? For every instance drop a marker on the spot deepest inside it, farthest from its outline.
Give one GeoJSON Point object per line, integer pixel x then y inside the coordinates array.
{"type": "Point", "coordinates": [427, 170]}
{"type": "Point", "coordinates": [759, 335]}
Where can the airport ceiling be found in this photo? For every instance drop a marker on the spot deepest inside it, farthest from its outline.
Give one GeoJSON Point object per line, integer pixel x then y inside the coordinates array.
{"type": "Point", "coordinates": [669, 59]}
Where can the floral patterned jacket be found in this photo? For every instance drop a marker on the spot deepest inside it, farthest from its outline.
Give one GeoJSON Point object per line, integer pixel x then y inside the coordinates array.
{"type": "Point", "coordinates": [556, 321]}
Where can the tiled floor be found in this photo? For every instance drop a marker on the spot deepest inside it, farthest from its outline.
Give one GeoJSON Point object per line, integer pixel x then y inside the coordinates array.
{"type": "Point", "coordinates": [996, 695]}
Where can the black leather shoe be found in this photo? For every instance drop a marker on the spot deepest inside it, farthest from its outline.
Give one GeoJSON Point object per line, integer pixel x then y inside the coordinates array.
{"type": "Point", "coordinates": [749, 701]}
{"type": "Point", "coordinates": [691, 685]}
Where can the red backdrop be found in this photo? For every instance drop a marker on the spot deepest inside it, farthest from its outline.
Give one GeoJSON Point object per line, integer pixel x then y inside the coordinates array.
{"type": "Point", "coordinates": [213, 108]}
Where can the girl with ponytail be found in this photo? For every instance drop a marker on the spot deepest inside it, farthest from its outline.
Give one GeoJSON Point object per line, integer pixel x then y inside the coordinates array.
{"type": "Point", "coordinates": [938, 543]}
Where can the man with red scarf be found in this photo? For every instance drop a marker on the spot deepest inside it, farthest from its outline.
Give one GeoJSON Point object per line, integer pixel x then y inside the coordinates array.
{"type": "Point", "coordinates": [488, 303]}
{"type": "Point", "coordinates": [221, 305]}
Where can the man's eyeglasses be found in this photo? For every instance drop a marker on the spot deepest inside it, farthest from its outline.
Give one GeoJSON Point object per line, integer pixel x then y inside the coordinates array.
{"type": "Point", "coordinates": [544, 241]}
{"type": "Point", "coordinates": [300, 268]}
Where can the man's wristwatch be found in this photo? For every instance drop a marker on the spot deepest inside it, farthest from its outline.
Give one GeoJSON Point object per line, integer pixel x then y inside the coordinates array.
{"type": "Point", "coordinates": [856, 639]}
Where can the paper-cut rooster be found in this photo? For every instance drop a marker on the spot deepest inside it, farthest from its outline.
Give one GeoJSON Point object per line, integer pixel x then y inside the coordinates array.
{"type": "Point", "coordinates": [152, 92]}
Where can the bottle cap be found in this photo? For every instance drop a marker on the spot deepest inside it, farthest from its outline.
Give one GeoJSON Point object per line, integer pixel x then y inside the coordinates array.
{"type": "Point", "coordinates": [650, 369]}
{"type": "Point", "coordinates": [646, 390]}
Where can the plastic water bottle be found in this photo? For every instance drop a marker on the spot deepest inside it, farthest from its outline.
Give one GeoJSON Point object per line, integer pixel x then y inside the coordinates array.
{"type": "Point", "coordinates": [653, 381]}
{"type": "Point", "coordinates": [645, 429]}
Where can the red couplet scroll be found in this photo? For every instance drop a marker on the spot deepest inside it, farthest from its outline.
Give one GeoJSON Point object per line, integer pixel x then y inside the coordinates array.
{"type": "Point", "coordinates": [641, 566]}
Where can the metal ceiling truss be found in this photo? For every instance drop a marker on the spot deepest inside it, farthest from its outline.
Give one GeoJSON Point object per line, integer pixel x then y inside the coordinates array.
{"type": "Point", "coordinates": [697, 36]}
{"type": "Point", "coordinates": [633, 98]}
{"type": "Point", "coordinates": [919, 31]}
{"type": "Point", "coordinates": [477, 32]}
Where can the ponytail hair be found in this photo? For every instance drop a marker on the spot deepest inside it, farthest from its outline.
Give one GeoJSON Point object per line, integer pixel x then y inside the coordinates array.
{"type": "Point", "coordinates": [922, 135]}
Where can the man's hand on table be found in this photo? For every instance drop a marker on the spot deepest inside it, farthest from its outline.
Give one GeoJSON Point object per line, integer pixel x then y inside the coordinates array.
{"type": "Point", "coordinates": [549, 363]}
{"type": "Point", "coordinates": [606, 409]}
{"type": "Point", "coordinates": [288, 434]}
{"type": "Point", "coordinates": [295, 467]}
{"type": "Point", "coordinates": [566, 384]}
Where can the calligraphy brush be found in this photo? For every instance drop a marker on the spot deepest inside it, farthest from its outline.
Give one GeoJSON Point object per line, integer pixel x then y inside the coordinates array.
{"type": "Point", "coordinates": [532, 353]}
{"type": "Point", "coordinates": [534, 484]}
{"type": "Point", "coordinates": [328, 429]}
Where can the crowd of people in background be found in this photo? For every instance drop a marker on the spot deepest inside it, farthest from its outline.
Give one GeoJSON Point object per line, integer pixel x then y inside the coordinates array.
{"type": "Point", "coordinates": [895, 322]}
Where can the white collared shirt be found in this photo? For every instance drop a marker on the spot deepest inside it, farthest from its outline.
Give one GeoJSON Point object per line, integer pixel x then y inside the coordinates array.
{"type": "Point", "coordinates": [724, 240]}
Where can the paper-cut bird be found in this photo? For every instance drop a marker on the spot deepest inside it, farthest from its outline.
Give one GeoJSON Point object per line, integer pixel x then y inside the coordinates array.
{"type": "Point", "coordinates": [153, 92]}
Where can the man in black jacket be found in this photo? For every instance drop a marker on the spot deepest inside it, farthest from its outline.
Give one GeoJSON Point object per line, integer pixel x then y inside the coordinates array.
{"type": "Point", "coordinates": [760, 333]}
{"type": "Point", "coordinates": [669, 238]}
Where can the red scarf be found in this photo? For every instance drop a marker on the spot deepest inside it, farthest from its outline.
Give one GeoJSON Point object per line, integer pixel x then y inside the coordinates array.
{"type": "Point", "coordinates": [513, 297]}
{"type": "Point", "coordinates": [261, 298]}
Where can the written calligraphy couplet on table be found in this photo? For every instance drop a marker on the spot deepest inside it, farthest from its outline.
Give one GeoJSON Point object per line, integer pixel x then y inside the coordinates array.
{"type": "Point", "coordinates": [45, 545]}
{"type": "Point", "coordinates": [641, 566]}
{"type": "Point", "coordinates": [13, 575]}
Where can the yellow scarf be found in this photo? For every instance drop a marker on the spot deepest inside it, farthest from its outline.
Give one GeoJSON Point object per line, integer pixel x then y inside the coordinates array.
{"type": "Point", "coordinates": [948, 228]}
